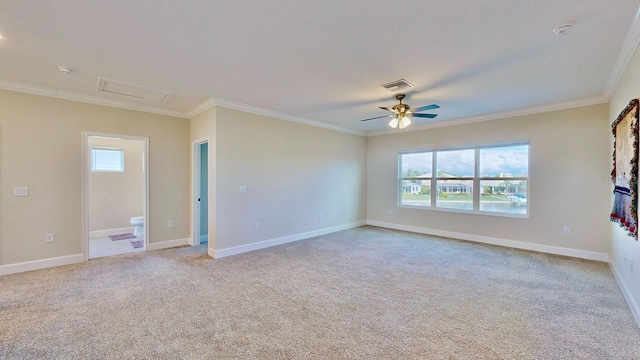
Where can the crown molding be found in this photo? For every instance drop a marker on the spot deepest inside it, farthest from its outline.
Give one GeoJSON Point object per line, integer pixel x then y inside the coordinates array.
{"type": "Point", "coordinates": [274, 114]}
{"type": "Point", "coordinates": [95, 100]}
{"type": "Point", "coordinates": [629, 46]}
{"type": "Point", "coordinates": [501, 115]}
{"type": "Point", "coordinates": [199, 109]}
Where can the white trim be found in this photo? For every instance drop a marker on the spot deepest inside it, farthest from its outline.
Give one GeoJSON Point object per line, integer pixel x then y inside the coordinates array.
{"type": "Point", "coordinates": [78, 258]}
{"type": "Point", "coordinates": [205, 105]}
{"type": "Point", "coordinates": [235, 250]}
{"type": "Point", "coordinates": [95, 100]}
{"type": "Point", "coordinates": [625, 55]}
{"type": "Point", "coordinates": [147, 179]}
{"type": "Point", "coordinates": [104, 233]}
{"type": "Point", "coordinates": [41, 264]}
{"type": "Point", "coordinates": [627, 51]}
{"type": "Point", "coordinates": [169, 244]}
{"type": "Point", "coordinates": [278, 115]}
{"type": "Point", "coordinates": [199, 109]}
{"type": "Point", "coordinates": [501, 115]}
{"type": "Point", "coordinates": [633, 305]}
{"type": "Point", "coordinates": [581, 254]}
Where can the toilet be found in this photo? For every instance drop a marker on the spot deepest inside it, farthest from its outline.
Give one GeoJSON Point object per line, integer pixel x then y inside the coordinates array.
{"type": "Point", "coordinates": [138, 223]}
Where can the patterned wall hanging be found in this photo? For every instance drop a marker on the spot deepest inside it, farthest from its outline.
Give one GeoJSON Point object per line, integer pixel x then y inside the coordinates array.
{"type": "Point", "coordinates": [625, 169]}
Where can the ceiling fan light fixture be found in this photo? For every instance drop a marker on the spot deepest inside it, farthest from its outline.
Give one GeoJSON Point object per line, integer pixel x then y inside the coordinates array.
{"type": "Point", "coordinates": [401, 113]}
{"type": "Point", "coordinates": [405, 122]}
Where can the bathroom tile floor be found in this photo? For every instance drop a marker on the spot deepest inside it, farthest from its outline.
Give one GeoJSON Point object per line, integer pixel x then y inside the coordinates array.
{"type": "Point", "coordinates": [104, 246]}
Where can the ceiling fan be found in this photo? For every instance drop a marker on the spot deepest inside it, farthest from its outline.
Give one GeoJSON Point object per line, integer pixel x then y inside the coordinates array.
{"type": "Point", "coordinates": [401, 113]}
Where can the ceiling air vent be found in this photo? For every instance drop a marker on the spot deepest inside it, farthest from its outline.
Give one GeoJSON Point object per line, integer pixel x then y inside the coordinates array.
{"type": "Point", "coordinates": [133, 91]}
{"type": "Point", "coordinates": [397, 85]}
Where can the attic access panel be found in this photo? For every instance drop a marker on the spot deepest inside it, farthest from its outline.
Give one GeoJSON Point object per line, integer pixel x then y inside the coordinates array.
{"type": "Point", "coordinates": [134, 91]}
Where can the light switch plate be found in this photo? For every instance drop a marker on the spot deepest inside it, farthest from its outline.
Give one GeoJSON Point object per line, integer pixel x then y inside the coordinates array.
{"type": "Point", "coordinates": [21, 191]}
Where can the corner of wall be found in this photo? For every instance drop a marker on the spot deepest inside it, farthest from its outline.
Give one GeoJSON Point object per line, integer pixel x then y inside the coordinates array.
{"type": "Point", "coordinates": [633, 305]}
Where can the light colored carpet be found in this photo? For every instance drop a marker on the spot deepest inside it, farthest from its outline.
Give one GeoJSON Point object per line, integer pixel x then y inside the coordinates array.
{"type": "Point", "coordinates": [365, 293]}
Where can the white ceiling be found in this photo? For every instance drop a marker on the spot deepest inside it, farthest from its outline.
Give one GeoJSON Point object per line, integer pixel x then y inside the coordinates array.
{"type": "Point", "coordinates": [323, 61]}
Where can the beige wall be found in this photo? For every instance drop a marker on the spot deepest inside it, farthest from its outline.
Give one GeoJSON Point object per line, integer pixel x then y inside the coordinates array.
{"type": "Point", "coordinates": [115, 197]}
{"type": "Point", "coordinates": [625, 251]}
{"type": "Point", "coordinates": [41, 147]}
{"type": "Point", "coordinates": [299, 178]}
{"type": "Point", "coordinates": [569, 166]}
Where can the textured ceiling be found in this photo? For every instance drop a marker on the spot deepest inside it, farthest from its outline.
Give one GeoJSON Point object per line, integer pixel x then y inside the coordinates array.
{"type": "Point", "coordinates": [322, 61]}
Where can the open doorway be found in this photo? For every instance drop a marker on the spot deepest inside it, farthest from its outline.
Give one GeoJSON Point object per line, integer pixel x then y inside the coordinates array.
{"type": "Point", "coordinates": [201, 193]}
{"type": "Point", "coordinates": [115, 194]}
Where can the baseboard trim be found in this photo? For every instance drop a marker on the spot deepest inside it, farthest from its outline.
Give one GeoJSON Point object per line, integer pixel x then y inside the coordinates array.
{"type": "Point", "coordinates": [633, 305]}
{"type": "Point", "coordinates": [78, 258]}
{"type": "Point", "coordinates": [40, 264]}
{"type": "Point", "coordinates": [107, 232]}
{"type": "Point", "coordinates": [169, 244]}
{"type": "Point", "coordinates": [556, 250]}
{"type": "Point", "coordinates": [235, 250]}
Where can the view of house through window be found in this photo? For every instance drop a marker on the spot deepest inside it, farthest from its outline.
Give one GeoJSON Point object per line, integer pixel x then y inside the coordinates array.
{"type": "Point", "coordinates": [500, 172]}
{"type": "Point", "coordinates": [416, 170]}
{"type": "Point", "coordinates": [454, 179]}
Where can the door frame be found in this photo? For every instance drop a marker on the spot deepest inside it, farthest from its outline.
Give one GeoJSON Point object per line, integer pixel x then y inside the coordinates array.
{"type": "Point", "coordinates": [86, 169]}
{"type": "Point", "coordinates": [195, 193]}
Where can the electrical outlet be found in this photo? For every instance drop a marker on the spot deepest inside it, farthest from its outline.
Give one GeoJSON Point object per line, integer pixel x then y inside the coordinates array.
{"type": "Point", "coordinates": [390, 211]}
{"type": "Point", "coordinates": [256, 226]}
{"type": "Point", "coordinates": [49, 237]}
{"type": "Point", "coordinates": [567, 230]}
{"type": "Point", "coordinates": [170, 223]}
{"type": "Point", "coordinates": [243, 189]}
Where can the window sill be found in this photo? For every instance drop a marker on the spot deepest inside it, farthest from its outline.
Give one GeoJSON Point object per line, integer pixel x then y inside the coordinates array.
{"type": "Point", "coordinates": [469, 212]}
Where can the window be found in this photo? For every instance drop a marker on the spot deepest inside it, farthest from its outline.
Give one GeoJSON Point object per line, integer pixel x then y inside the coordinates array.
{"type": "Point", "coordinates": [500, 173]}
{"type": "Point", "coordinates": [416, 179]}
{"type": "Point", "coordinates": [504, 173]}
{"type": "Point", "coordinates": [107, 160]}
{"type": "Point", "coordinates": [454, 179]}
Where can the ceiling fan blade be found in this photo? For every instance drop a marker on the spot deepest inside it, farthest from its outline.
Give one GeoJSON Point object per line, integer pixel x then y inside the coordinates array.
{"type": "Point", "coordinates": [427, 107]}
{"type": "Point", "coordinates": [390, 110]}
{"type": "Point", "coordinates": [429, 116]}
{"type": "Point", "coordinates": [377, 117]}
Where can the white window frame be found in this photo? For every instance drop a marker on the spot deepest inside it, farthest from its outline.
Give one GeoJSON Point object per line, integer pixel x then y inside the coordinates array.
{"type": "Point", "coordinates": [477, 191]}
{"type": "Point", "coordinates": [95, 163]}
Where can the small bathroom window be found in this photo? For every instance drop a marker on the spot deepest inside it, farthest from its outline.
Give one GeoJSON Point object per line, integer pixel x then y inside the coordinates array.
{"type": "Point", "coordinates": [107, 159]}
